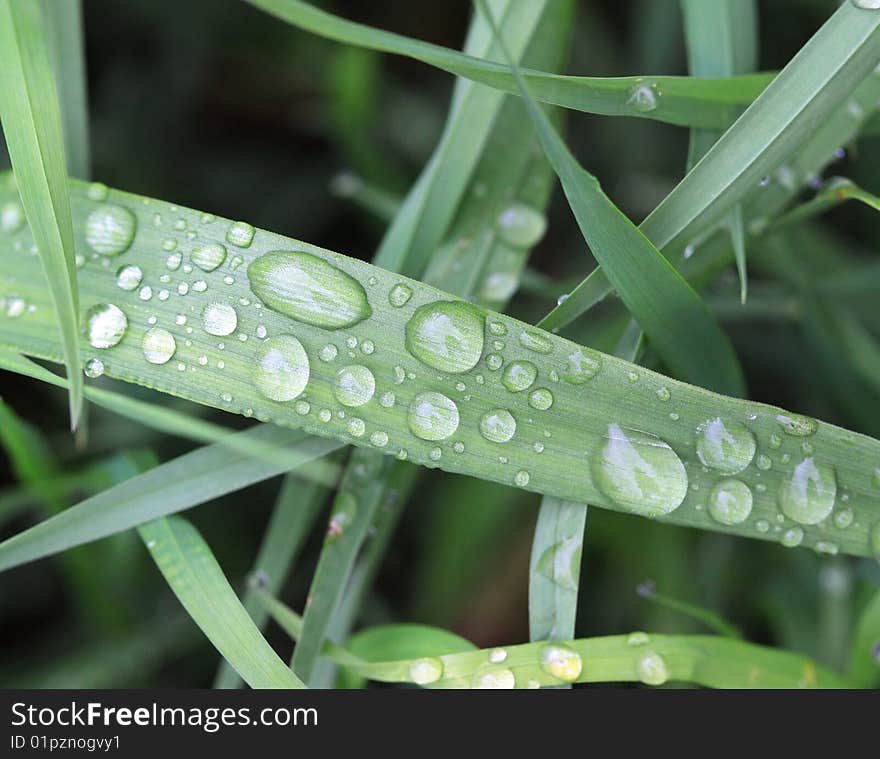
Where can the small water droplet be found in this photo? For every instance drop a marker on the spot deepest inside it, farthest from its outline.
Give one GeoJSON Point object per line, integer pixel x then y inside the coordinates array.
{"type": "Point", "coordinates": [105, 325]}
{"type": "Point", "coordinates": [793, 424]}
{"type": "Point", "coordinates": [110, 229]}
{"type": "Point", "coordinates": [354, 385]}
{"type": "Point", "coordinates": [561, 662]}
{"type": "Point", "coordinates": [208, 256]}
{"type": "Point", "coordinates": [433, 416]}
{"type": "Point", "coordinates": [498, 426]}
{"type": "Point", "coordinates": [807, 496]}
{"type": "Point", "coordinates": [643, 96]}
{"type": "Point", "coordinates": [379, 439]}
{"type": "Point", "coordinates": [792, 538]}
{"type": "Point", "coordinates": [129, 277]}
{"type": "Point", "coordinates": [425, 670]}
{"type": "Point", "coordinates": [638, 638]}
{"type": "Point", "coordinates": [522, 478]}
{"type": "Point", "coordinates": [12, 217]}
{"type": "Point", "coordinates": [145, 293]}
{"type": "Point", "coordinates": [581, 367]}
{"type": "Point", "coordinates": [446, 335]}
{"type": "Point", "coordinates": [521, 226]}
{"type": "Point", "coordinates": [356, 427]}
{"type": "Point", "coordinates": [497, 328]}
{"type": "Point", "coordinates": [399, 295]}
{"type": "Point", "coordinates": [843, 518]}
{"type": "Point", "coordinates": [726, 446]}
{"type": "Point", "coordinates": [763, 462]}
{"type": "Point", "coordinates": [159, 345]}
{"type": "Point", "coordinates": [240, 233]}
{"type": "Point", "coordinates": [493, 679]}
{"type": "Point", "coordinates": [541, 399]}
{"type": "Point", "coordinates": [663, 394]}
{"type": "Point", "coordinates": [651, 669]}
{"type": "Point", "coordinates": [536, 342]}
{"type": "Point", "coordinates": [328, 352]}
{"type": "Point", "coordinates": [93, 368]}
{"type": "Point", "coordinates": [730, 502]}
{"type": "Point", "coordinates": [870, 5]}
{"type": "Point", "coordinates": [281, 372]}
{"type": "Point", "coordinates": [519, 375]}
{"type": "Point", "coordinates": [219, 319]}
{"type": "Point", "coordinates": [494, 361]}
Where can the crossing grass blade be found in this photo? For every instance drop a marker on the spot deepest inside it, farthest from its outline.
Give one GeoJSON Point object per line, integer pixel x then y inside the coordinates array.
{"type": "Point", "coordinates": [31, 121]}
{"type": "Point", "coordinates": [715, 622]}
{"type": "Point", "coordinates": [613, 392]}
{"type": "Point", "coordinates": [833, 192]}
{"type": "Point", "coordinates": [678, 323]}
{"type": "Point", "coordinates": [686, 101]}
{"type": "Point", "coordinates": [195, 577]}
{"type": "Point", "coordinates": [184, 482]}
{"type": "Point", "coordinates": [651, 659]}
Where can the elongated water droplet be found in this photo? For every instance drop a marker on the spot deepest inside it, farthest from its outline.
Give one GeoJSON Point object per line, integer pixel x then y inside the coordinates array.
{"type": "Point", "coordinates": [561, 661]}
{"type": "Point", "coordinates": [499, 426]}
{"type": "Point", "coordinates": [640, 472]}
{"type": "Point", "coordinates": [208, 256]}
{"type": "Point", "coordinates": [651, 669]}
{"type": "Point", "coordinates": [581, 367]}
{"type": "Point", "coordinates": [400, 295]}
{"type": "Point", "coordinates": [282, 368]}
{"type": "Point", "coordinates": [494, 679]}
{"type": "Point", "coordinates": [561, 562]}
{"type": "Point", "coordinates": [219, 319]}
{"type": "Point", "coordinates": [433, 416]}
{"type": "Point", "coordinates": [355, 385]}
{"type": "Point", "coordinates": [240, 233]}
{"type": "Point", "coordinates": [726, 446]}
{"type": "Point", "coordinates": [308, 289]}
{"type": "Point", "coordinates": [730, 502]}
{"type": "Point", "coordinates": [807, 496]}
{"type": "Point", "coordinates": [536, 342]}
{"type": "Point", "coordinates": [110, 229]}
{"type": "Point", "coordinates": [105, 325]}
{"type": "Point", "coordinates": [519, 375]}
{"type": "Point", "coordinates": [446, 335]}
{"type": "Point", "coordinates": [793, 424]}
{"type": "Point", "coordinates": [159, 345]}
{"type": "Point", "coordinates": [426, 670]}
{"type": "Point", "coordinates": [521, 226]}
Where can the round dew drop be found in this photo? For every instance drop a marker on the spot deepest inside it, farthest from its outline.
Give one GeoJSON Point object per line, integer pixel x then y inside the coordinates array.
{"type": "Point", "coordinates": [11, 217]}
{"type": "Point", "coordinates": [208, 256]}
{"type": "Point", "coordinates": [522, 478]}
{"type": "Point", "coordinates": [562, 662]}
{"type": "Point", "coordinates": [426, 670]}
{"type": "Point", "coordinates": [519, 375]}
{"type": "Point", "coordinates": [494, 679]}
{"type": "Point", "coordinates": [446, 335]}
{"type": "Point", "coordinates": [281, 372]}
{"type": "Point", "coordinates": [541, 399]}
{"type": "Point", "coordinates": [433, 416]}
{"type": "Point", "coordinates": [792, 538]}
{"type": "Point", "coordinates": [726, 446]}
{"type": "Point", "coordinates": [807, 496]}
{"type": "Point", "coordinates": [129, 277]}
{"type": "Point", "coordinates": [240, 233]}
{"type": "Point", "coordinates": [105, 325]}
{"type": "Point", "coordinates": [399, 295]}
{"type": "Point", "coordinates": [521, 226]}
{"type": "Point", "coordinates": [498, 426]}
{"type": "Point", "coordinates": [219, 319]}
{"type": "Point", "coordinates": [651, 669]}
{"type": "Point", "coordinates": [640, 472]}
{"type": "Point", "coordinates": [93, 368]}
{"type": "Point", "coordinates": [355, 385]}
{"type": "Point", "coordinates": [730, 502]}
{"type": "Point", "coordinates": [110, 229]}
{"type": "Point", "coordinates": [159, 345]}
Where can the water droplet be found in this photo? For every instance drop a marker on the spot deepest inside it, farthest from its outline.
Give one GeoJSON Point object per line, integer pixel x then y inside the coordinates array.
{"type": "Point", "coordinates": [433, 416]}
{"type": "Point", "coordinates": [870, 5]}
{"type": "Point", "coordinates": [521, 226]}
{"type": "Point", "coordinates": [200, 286]}
{"type": "Point", "coordinates": [651, 669]}
{"type": "Point", "coordinates": [521, 478]}
{"type": "Point", "coordinates": [536, 342]}
{"type": "Point", "coordinates": [105, 325]}
{"type": "Point", "coordinates": [208, 256]}
{"type": "Point", "coordinates": [762, 525]}
{"type": "Point", "coordinates": [399, 295]}
{"type": "Point", "coordinates": [726, 446]}
{"type": "Point", "coordinates": [497, 655]}
{"type": "Point", "coordinates": [497, 328]}
{"type": "Point", "coordinates": [281, 372]}
{"type": "Point", "coordinates": [561, 662]}
{"type": "Point", "coordinates": [519, 375]}
{"type": "Point", "coordinates": [541, 399]}
{"type": "Point", "coordinates": [308, 289]}
{"type": "Point", "coordinates": [792, 424]}
{"type": "Point", "coordinates": [110, 229]}
{"type": "Point", "coordinates": [499, 426]}
{"type": "Point", "coordinates": [494, 679]}
{"type": "Point", "coordinates": [356, 427]}
{"type": "Point", "coordinates": [643, 96]}
{"type": "Point", "coordinates": [562, 298]}
{"type": "Point", "coordinates": [426, 670]}
{"type": "Point", "coordinates": [843, 518]}
{"type": "Point", "coordinates": [446, 335]}
{"type": "Point", "coordinates": [219, 319]}
{"type": "Point", "coordinates": [637, 638]}
{"type": "Point", "coordinates": [240, 233]}
{"type": "Point", "coordinates": [11, 217]}
{"type": "Point", "coordinates": [93, 368]}
{"type": "Point", "coordinates": [764, 462]}
{"type": "Point", "coordinates": [328, 352]}
{"type": "Point", "coordinates": [145, 293]}
{"type": "Point", "coordinates": [159, 345]}
{"type": "Point", "coordinates": [808, 495]}
{"type": "Point", "coordinates": [379, 439]}
{"type": "Point", "coordinates": [494, 361]}
{"type": "Point", "coordinates": [730, 502]}
{"type": "Point", "coordinates": [792, 538]}
{"type": "Point", "coordinates": [663, 394]}
{"type": "Point", "coordinates": [355, 385]}
{"type": "Point", "coordinates": [581, 367]}
{"type": "Point", "coordinates": [368, 347]}
{"type": "Point", "coordinates": [640, 472]}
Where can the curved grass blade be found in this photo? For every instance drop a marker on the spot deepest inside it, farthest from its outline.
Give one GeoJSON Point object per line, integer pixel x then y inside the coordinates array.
{"type": "Point", "coordinates": [593, 394]}
{"type": "Point", "coordinates": [709, 618]}
{"type": "Point", "coordinates": [834, 191]}
{"type": "Point", "coordinates": [195, 577]}
{"type": "Point", "coordinates": [678, 323]}
{"type": "Point", "coordinates": [31, 121]}
{"type": "Point", "coordinates": [176, 485]}
{"type": "Point", "coordinates": [686, 101]}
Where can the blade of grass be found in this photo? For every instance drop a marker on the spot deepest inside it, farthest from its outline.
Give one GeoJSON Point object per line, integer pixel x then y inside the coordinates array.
{"type": "Point", "coordinates": [833, 192]}
{"type": "Point", "coordinates": [195, 577]}
{"type": "Point", "coordinates": [864, 661]}
{"type": "Point", "coordinates": [707, 617]}
{"type": "Point", "coordinates": [31, 121]}
{"type": "Point", "coordinates": [705, 103]}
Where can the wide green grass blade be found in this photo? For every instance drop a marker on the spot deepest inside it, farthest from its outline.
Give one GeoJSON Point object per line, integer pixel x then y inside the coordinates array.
{"type": "Point", "coordinates": [705, 103]}
{"type": "Point", "coordinates": [195, 577]}
{"type": "Point", "coordinates": [176, 485]}
{"type": "Point", "coordinates": [64, 34]}
{"type": "Point", "coordinates": [593, 393]}
{"type": "Point", "coordinates": [31, 121]}
{"type": "Point", "coordinates": [678, 323]}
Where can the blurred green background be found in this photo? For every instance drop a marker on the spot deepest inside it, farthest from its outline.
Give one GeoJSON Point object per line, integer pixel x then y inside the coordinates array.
{"type": "Point", "coordinates": [215, 105]}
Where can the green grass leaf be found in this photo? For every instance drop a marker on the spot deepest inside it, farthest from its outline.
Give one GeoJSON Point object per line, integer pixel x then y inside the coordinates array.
{"type": "Point", "coordinates": [31, 121]}
{"type": "Point", "coordinates": [705, 103]}
{"type": "Point", "coordinates": [195, 577]}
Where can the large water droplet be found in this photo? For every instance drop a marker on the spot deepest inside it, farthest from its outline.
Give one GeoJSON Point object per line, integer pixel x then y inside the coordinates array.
{"type": "Point", "coordinates": [808, 495]}
{"type": "Point", "coordinates": [640, 472]}
{"type": "Point", "coordinates": [425, 670]}
{"type": "Point", "coordinates": [730, 502]}
{"type": "Point", "coordinates": [519, 375]}
{"type": "Point", "coordinates": [433, 416]}
{"type": "Point", "coordinates": [725, 446]}
{"type": "Point", "coordinates": [308, 289]}
{"type": "Point", "coordinates": [581, 367]}
{"type": "Point", "coordinates": [159, 345]}
{"type": "Point", "coordinates": [355, 385]}
{"type": "Point", "coordinates": [447, 335]}
{"type": "Point", "coordinates": [282, 368]}
{"type": "Point", "coordinates": [521, 226]}
{"type": "Point", "coordinates": [219, 319]}
{"type": "Point", "coordinates": [110, 229]}
{"type": "Point", "coordinates": [651, 669]}
{"type": "Point", "coordinates": [105, 325]}
{"type": "Point", "coordinates": [208, 256]}
{"type": "Point", "coordinates": [561, 661]}
{"type": "Point", "coordinates": [499, 426]}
